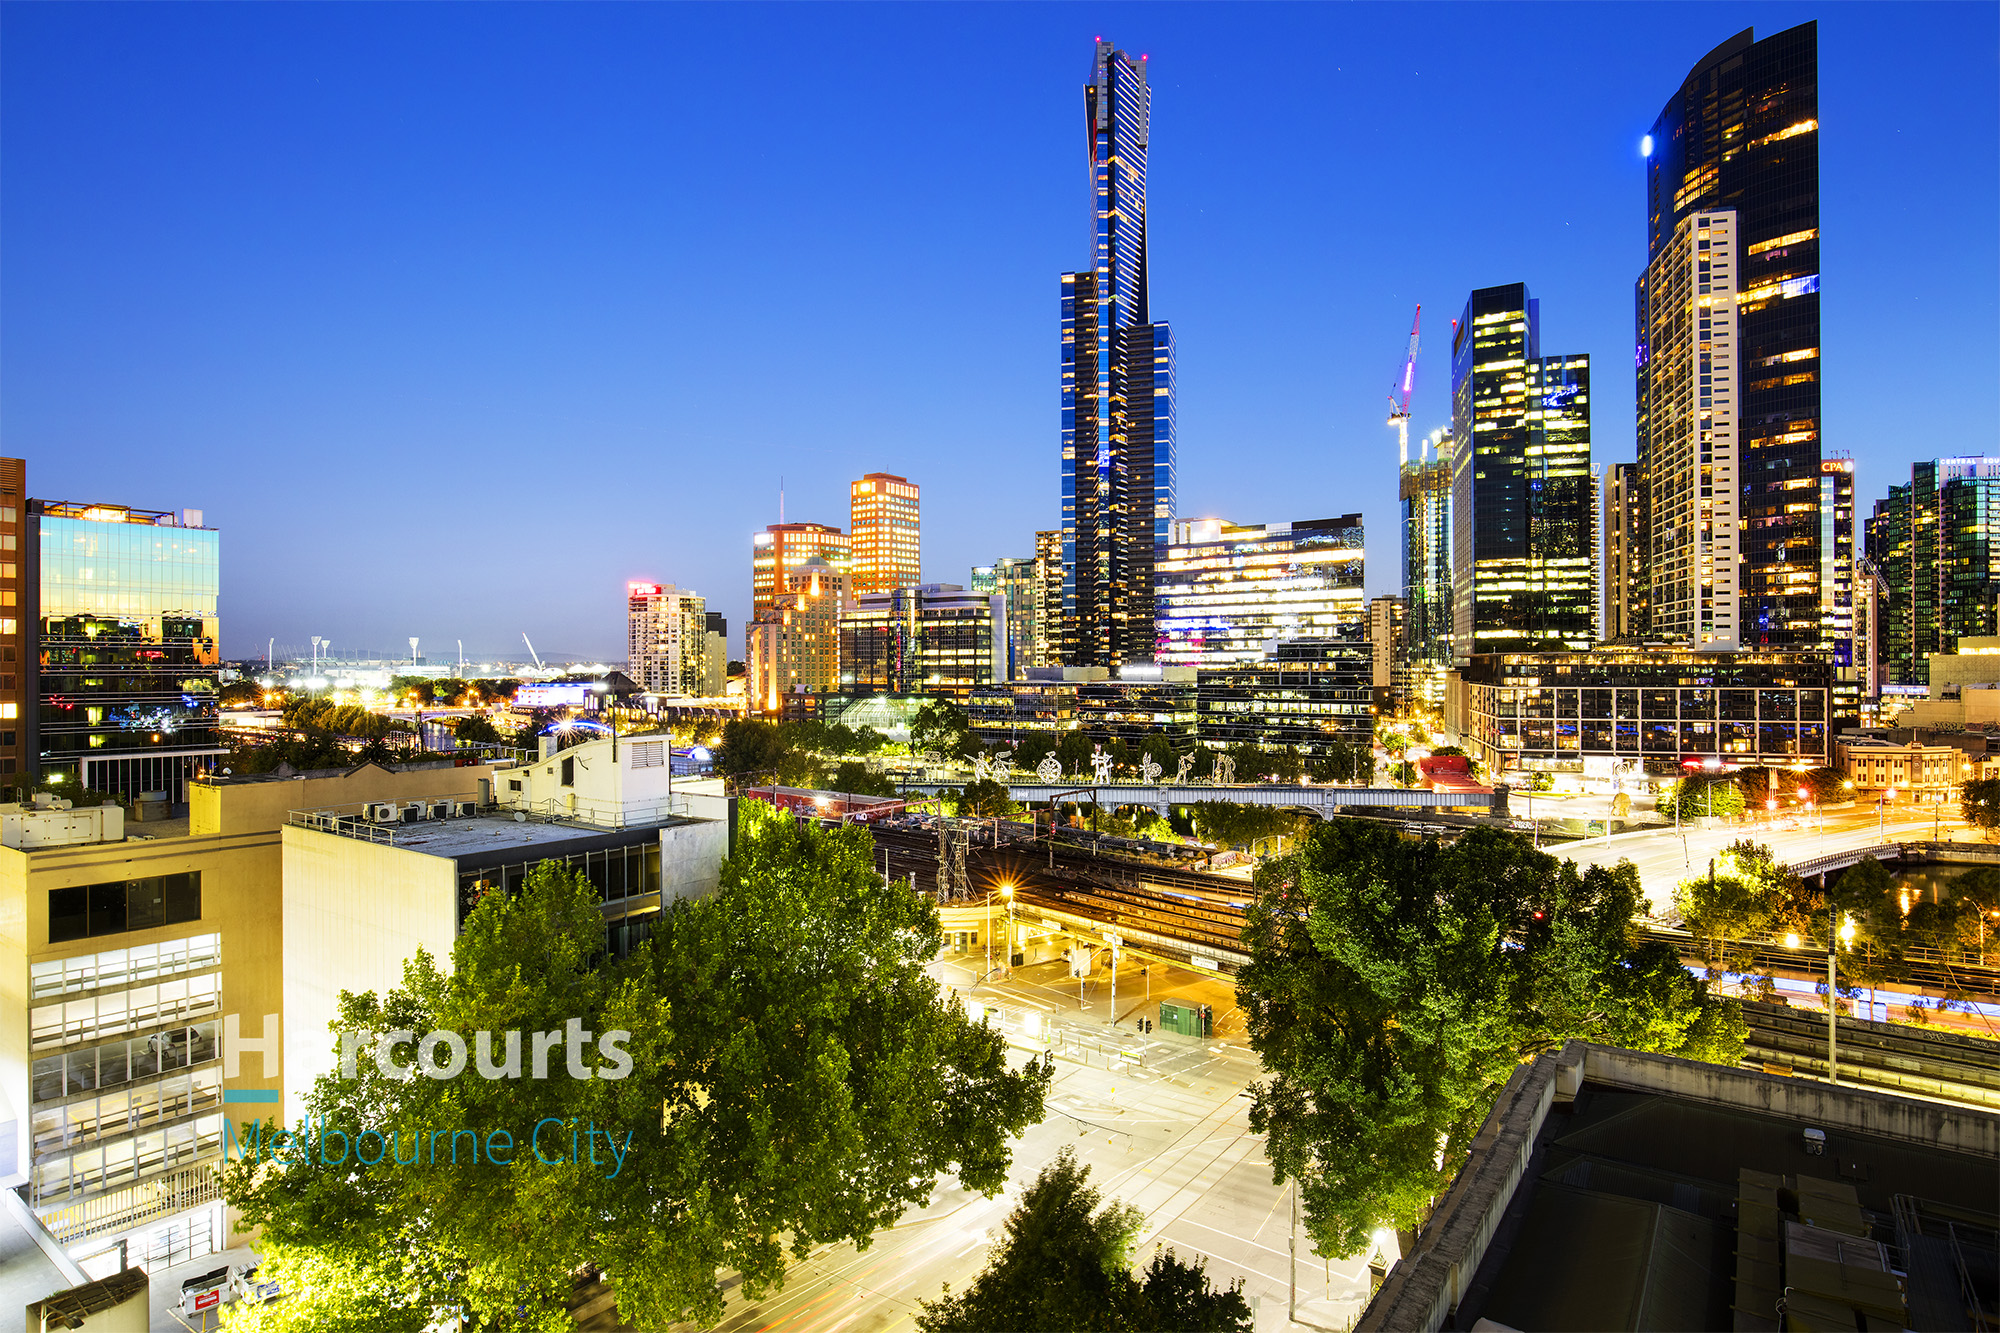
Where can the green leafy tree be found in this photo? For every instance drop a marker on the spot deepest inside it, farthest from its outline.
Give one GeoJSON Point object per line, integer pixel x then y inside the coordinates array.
{"type": "Point", "coordinates": [1393, 986]}
{"type": "Point", "coordinates": [1073, 752]}
{"type": "Point", "coordinates": [796, 1079]}
{"type": "Point", "coordinates": [750, 746]}
{"type": "Point", "coordinates": [1979, 802]}
{"type": "Point", "coordinates": [986, 797]}
{"type": "Point", "coordinates": [854, 778]}
{"type": "Point", "coordinates": [1403, 774]}
{"type": "Point", "coordinates": [1229, 824]}
{"type": "Point", "coordinates": [1064, 1264]}
{"type": "Point", "coordinates": [940, 726]}
{"type": "Point", "coordinates": [472, 729]}
{"type": "Point", "coordinates": [1700, 794]}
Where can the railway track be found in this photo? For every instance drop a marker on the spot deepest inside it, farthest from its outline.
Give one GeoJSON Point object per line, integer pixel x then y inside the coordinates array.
{"type": "Point", "coordinates": [1981, 982]}
{"type": "Point", "coordinates": [1887, 1057]}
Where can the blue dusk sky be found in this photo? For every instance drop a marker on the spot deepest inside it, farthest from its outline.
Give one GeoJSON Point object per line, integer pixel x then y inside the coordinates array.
{"type": "Point", "coordinates": [453, 318]}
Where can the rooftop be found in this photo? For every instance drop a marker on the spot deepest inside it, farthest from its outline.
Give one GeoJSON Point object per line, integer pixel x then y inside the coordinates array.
{"type": "Point", "coordinates": [1704, 1197]}
{"type": "Point", "coordinates": [457, 836]}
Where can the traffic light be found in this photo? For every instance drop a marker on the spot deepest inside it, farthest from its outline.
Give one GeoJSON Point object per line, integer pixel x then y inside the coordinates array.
{"type": "Point", "coordinates": [1148, 1022]}
{"type": "Point", "coordinates": [1141, 1025]}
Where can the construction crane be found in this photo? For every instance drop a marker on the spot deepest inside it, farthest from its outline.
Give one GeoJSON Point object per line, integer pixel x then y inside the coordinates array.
{"type": "Point", "coordinates": [1399, 408]}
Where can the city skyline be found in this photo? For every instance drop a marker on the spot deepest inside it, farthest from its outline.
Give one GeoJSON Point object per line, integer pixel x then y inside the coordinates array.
{"type": "Point", "coordinates": [324, 373]}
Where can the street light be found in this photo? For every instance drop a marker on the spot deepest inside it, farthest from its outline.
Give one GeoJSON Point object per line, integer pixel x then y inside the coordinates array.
{"type": "Point", "coordinates": [1007, 892]}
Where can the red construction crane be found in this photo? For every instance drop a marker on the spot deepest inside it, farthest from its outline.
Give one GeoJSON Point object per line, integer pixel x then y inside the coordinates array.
{"type": "Point", "coordinates": [1399, 408]}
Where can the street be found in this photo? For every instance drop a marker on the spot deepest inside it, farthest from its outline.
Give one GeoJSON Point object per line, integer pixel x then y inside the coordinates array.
{"type": "Point", "coordinates": [1666, 856]}
{"type": "Point", "coordinates": [1171, 1138]}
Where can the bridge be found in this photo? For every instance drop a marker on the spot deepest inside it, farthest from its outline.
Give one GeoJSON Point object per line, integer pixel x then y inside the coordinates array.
{"type": "Point", "coordinates": [1324, 800]}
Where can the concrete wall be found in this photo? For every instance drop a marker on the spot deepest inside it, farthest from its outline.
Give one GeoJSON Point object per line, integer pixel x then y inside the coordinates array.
{"type": "Point", "coordinates": [354, 912]}
{"type": "Point", "coordinates": [691, 859]}
{"type": "Point", "coordinates": [1933, 1124]}
{"type": "Point", "coordinates": [252, 805]}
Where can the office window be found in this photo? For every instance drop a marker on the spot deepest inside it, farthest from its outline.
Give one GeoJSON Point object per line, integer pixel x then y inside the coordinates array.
{"type": "Point", "coordinates": [136, 904]}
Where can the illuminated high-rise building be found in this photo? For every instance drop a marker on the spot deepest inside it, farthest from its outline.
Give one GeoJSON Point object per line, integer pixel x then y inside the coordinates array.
{"type": "Point", "coordinates": [1624, 564]}
{"type": "Point", "coordinates": [1048, 631]}
{"type": "Point", "coordinates": [783, 549]}
{"type": "Point", "coordinates": [884, 533]}
{"type": "Point", "coordinates": [1424, 489]}
{"type": "Point", "coordinates": [793, 647]}
{"type": "Point", "coordinates": [128, 663]}
{"type": "Point", "coordinates": [1936, 545]}
{"type": "Point", "coordinates": [1728, 354]}
{"type": "Point", "coordinates": [1014, 578]}
{"type": "Point", "coordinates": [1228, 594]}
{"type": "Point", "coordinates": [1117, 390]}
{"type": "Point", "coordinates": [1524, 507]}
{"type": "Point", "coordinates": [17, 637]}
{"type": "Point", "coordinates": [666, 633]}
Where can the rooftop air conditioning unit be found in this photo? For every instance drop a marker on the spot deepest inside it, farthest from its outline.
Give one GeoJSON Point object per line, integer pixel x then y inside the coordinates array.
{"type": "Point", "coordinates": [462, 809]}
{"type": "Point", "coordinates": [416, 810]}
{"type": "Point", "coordinates": [383, 812]}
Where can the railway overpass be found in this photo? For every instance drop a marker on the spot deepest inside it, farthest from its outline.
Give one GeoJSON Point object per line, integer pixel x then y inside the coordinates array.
{"type": "Point", "coordinates": [1161, 796]}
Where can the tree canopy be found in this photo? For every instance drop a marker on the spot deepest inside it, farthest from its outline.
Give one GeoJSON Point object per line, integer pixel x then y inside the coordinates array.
{"type": "Point", "coordinates": [1064, 1264]}
{"type": "Point", "coordinates": [1394, 985]}
{"type": "Point", "coordinates": [1979, 802]}
{"type": "Point", "coordinates": [795, 1079]}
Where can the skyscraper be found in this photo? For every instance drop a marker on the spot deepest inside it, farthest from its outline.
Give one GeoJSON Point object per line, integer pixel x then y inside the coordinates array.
{"type": "Point", "coordinates": [1936, 543]}
{"type": "Point", "coordinates": [793, 647]}
{"type": "Point", "coordinates": [1524, 512]}
{"type": "Point", "coordinates": [1624, 570]}
{"type": "Point", "coordinates": [1728, 350]}
{"type": "Point", "coordinates": [783, 549]}
{"type": "Point", "coordinates": [128, 663]}
{"type": "Point", "coordinates": [1048, 633]}
{"type": "Point", "coordinates": [666, 634]}
{"type": "Point", "coordinates": [1424, 488]}
{"type": "Point", "coordinates": [884, 530]}
{"type": "Point", "coordinates": [1014, 578]}
{"type": "Point", "coordinates": [1117, 390]}
{"type": "Point", "coordinates": [17, 650]}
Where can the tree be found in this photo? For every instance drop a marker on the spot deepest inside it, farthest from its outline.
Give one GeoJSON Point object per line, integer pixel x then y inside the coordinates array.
{"type": "Point", "coordinates": [796, 1079]}
{"type": "Point", "coordinates": [1064, 1263]}
{"type": "Point", "coordinates": [1393, 986]}
{"type": "Point", "coordinates": [1228, 824]}
{"type": "Point", "coordinates": [1979, 802]}
{"type": "Point", "coordinates": [1699, 795]}
{"type": "Point", "coordinates": [941, 726]}
{"type": "Point", "coordinates": [854, 778]}
{"type": "Point", "coordinates": [240, 694]}
{"type": "Point", "coordinates": [984, 796]}
{"type": "Point", "coordinates": [474, 729]}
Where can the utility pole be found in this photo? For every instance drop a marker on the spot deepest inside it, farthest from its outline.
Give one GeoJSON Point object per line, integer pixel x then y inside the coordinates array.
{"type": "Point", "coordinates": [1293, 1243]}
{"type": "Point", "coordinates": [1832, 990]}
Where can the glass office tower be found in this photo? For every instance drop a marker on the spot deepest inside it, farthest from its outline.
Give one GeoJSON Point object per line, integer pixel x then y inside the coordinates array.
{"type": "Point", "coordinates": [1524, 510]}
{"type": "Point", "coordinates": [1936, 543]}
{"type": "Point", "coordinates": [1739, 141]}
{"type": "Point", "coordinates": [1117, 391]}
{"type": "Point", "coordinates": [128, 657]}
{"type": "Point", "coordinates": [1228, 594]}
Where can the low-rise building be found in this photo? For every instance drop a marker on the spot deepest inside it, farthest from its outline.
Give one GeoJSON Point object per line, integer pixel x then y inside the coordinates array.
{"type": "Point", "coordinates": [366, 886]}
{"type": "Point", "coordinates": [122, 954]}
{"type": "Point", "coordinates": [1934, 765]}
{"type": "Point", "coordinates": [1660, 706]}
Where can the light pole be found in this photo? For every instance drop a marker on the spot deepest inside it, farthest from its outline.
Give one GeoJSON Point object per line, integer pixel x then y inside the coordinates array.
{"type": "Point", "coordinates": [1007, 892]}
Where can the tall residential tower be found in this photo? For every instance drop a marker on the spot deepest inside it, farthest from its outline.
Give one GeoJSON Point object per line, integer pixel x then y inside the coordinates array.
{"type": "Point", "coordinates": [1117, 390]}
{"type": "Point", "coordinates": [1728, 356]}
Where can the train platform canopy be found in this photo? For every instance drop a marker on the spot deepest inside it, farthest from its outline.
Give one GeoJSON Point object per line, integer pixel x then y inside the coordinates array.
{"type": "Point", "coordinates": [1612, 1189]}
